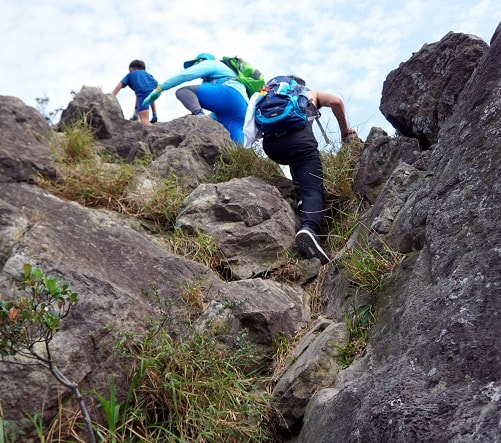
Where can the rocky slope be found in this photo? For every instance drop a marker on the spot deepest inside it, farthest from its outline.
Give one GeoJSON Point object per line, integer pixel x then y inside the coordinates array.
{"type": "Point", "coordinates": [432, 368]}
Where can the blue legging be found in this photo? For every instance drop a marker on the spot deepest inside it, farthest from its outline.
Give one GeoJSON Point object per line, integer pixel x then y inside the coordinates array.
{"type": "Point", "coordinates": [225, 102]}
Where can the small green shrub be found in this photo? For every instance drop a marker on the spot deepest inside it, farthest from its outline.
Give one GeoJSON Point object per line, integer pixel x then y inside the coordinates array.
{"type": "Point", "coordinates": [359, 322]}
{"type": "Point", "coordinates": [29, 323]}
{"type": "Point", "coordinates": [77, 142]}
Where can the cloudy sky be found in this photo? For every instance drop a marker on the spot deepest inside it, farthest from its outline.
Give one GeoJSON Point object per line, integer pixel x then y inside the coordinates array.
{"type": "Point", "coordinates": [53, 47]}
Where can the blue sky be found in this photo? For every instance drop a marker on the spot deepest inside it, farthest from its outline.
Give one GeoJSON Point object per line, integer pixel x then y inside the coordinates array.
{"type": "Point", "coordinates": [52, 47]}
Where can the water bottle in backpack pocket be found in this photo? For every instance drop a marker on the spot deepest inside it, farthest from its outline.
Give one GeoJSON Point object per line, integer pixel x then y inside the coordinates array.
{"type": "Point", "coordinates": [282, 107]}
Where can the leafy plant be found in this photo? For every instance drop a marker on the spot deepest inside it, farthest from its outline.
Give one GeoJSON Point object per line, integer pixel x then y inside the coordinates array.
{"type": "Point", "coordinates": [359, 322]}
{"type": "Point", "coordinates": [111, 410]}
{"type": "Point", "coordinates": [28, 325]}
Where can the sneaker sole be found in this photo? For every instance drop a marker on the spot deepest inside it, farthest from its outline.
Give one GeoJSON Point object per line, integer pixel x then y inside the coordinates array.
{"type": "Point", "coordinates": [309, 246]}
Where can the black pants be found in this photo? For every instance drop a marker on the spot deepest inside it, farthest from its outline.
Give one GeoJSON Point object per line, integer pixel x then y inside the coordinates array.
{"type": "Point", "coordinates": [299, 150]}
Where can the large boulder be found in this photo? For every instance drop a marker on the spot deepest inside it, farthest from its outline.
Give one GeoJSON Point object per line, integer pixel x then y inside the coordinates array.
{"type": "Point", "coordinates": [315, 365]}
{"type": "Point", "coordinates": [187, 147]}
{"type": "Point", "coordinates": [378, 158]}
{"type": "Point", "coordinates": [25, 142]}
{"type": "Point", "coordinates": [421, 93]}
{"type": "Point", "coordinates": [102, 111]}
{"type": "Point", "coordinates": [250, 220]}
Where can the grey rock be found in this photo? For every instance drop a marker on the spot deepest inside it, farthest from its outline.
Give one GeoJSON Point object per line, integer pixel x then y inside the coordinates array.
{"type": "Point", "coordinates": [250, 220]}
{"type": "Point", "coordinates": [378, 158]}
{"type": "Point", "coordinates": [420, 94]}
{"type": "Point", "coordinates": [433, 365]}
{"type": "Point", "coordinates": [315, 365]}
{"type": "Point", "coordinates": [25, 142]}
{"type": "Point", "coordinates": [431, 368]}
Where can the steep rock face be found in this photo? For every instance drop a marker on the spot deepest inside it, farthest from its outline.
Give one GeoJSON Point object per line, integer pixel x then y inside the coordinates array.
{"type": "Point", "coordinates": [432, 371]}
{"type": "Point", "coordinates": [419, 95]}
{"type": "Point", "coordinates": [377, 163]}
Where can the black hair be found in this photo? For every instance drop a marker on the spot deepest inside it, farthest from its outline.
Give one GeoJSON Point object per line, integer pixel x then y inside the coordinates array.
{"type": "Point", "coordinates": [137, 64]}
{"type": "Point", "coordinates": [298, 80]}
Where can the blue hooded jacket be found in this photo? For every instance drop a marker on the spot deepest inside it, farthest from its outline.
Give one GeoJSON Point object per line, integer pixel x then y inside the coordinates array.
{"type": "Point", "coordinates": [209, 71]}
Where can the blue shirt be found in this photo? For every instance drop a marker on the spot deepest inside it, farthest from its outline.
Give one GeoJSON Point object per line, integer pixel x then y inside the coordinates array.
{"type": "Point", "coordinates": [139, 81]}
{"type": "Point", "coordinates": [209, 71]}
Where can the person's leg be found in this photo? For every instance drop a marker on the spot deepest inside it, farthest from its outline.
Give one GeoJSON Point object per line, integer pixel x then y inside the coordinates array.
{"type": "Point", "coordinates": [306, 171]}
{"type": "Point", "coordinates": [187, 95]}
{"type": "Point", "coordinates": [154, 118]}
{"type": "Point", "coordinates": [227, 104]}
{"type": "Point", "coordinates": [143, 111]}
{"type": "Point", "coordinates": [308, 174]}
{"type": "Point", "coordinates": [301, 154]}
{"type": "Point", "coordinates": [144, 117]}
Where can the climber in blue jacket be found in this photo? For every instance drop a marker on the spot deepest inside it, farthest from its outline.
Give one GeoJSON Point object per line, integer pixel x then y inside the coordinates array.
{"type": "Point", "coordinates": [219, 93]}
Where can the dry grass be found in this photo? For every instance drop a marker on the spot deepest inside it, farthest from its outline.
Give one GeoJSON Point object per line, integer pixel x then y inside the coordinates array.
{"type": "Point", "coordinates": [239, 162]}
{"type": "Point", "coordinates": [338, 169]}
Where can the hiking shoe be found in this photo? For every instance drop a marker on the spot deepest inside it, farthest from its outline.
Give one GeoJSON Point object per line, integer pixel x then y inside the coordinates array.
{"type": "Point", "coordinates": [134, 118]}
{"type": "Point", "coordinates": [153, 120]}
{"type": "Point", "coordinates": [308, 245]}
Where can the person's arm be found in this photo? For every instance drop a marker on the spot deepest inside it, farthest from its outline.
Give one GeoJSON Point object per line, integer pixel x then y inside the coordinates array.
{"type": "Point", "coordinates": [207, 68]}
{"type": "Point", "coordinates": [117, 88]}
{"type": "Point", "coordinates": [193, 72]}
{"type": "Point", "coordinates": [321, 99]}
